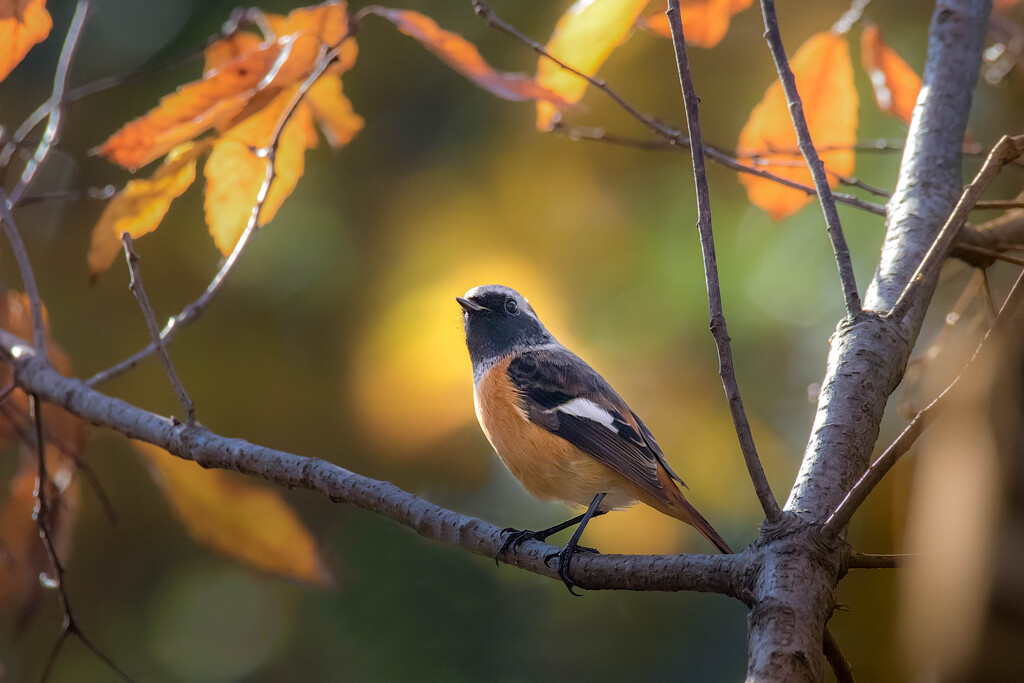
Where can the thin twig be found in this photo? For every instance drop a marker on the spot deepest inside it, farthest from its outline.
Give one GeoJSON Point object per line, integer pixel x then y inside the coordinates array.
{"type": "Point", "coordinates": [847, 277]}
{"type": "Point", "coordinates": [879, 561]}
{"type": "Point", "coordinates": [1007, 150]}
{"type": "Point", "coordinates": [43, 514]}
{"type": "Point", "coordinates": [999, 204]}
{"type": "Point", "coordinates": [54, 105]}
{"type": "Point", "coordinates": [136, 287]}
{"type": "Point", "coordinates": [885, 462]}
{"type": "Point", "coordinates": [19, 422]}
{"type": "Point", "coordinates": [719, 156]}
{"type": "Point", "coordinates": [28, 277]}
{"type": "Point", "coordinates": [991, 253]}
{"type": "Point", "coordinates": [672, 136]}
{"type": "Point", "coordinates": [97, 193]}
{"type": "Point", "coordinates": [193, 310]}
{"type": "Point", "coordinates": [841, 666]}
{"type": "Point", "coordinates": [707, 242]}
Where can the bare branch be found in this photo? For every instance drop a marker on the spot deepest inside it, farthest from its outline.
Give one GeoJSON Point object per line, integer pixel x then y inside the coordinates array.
{"type": "Point", "coordinates": [196, 308]}
{"type": "Point", "coordinates": [723, 574]}
{"type": "Point", "coordinates": [1008, 150]}
{"type": "Point", "coordinates": [885, 462]}
{"type": "Point", "coordinates": [98, 193]}
{"type": "Point", "coordinates": [154, 332]}
{"type": "Point", "coordinates": [53, 107]}
{"type": "Point", "coordinates": [836, 659]}
{"type": "Point", "coordinates": [44, 514]}
{"type": "Point", "coordinates": [707, 242]}
{"type": "Point", "coordinates": [878, 561]}
{"type": "Point", "coordinates": [828, 206]}
{"type": "Point", "coordinates": [719, 156]}
{"type": "Point", "coordinates": [28, 277]}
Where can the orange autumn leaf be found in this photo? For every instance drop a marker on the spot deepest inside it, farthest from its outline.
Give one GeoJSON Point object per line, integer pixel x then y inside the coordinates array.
{"type": "Point", "coordinates": [61, 427]}
{"type": "Point", "coordinates": [333, 111]}
{"type": "Point", "coordinates": [824, 78]}
{"type": "Point", "coordinates": [583, 39]}
{"type": "Point", "coordinates": [223, 511]}
{"type": "Point", "coordinates": [142, 204]}
{"type": "Point", "coordinates": [23, 23]}
{"type": "Point", "coordinates": [23, 558]}
{"type": "Point", "coordinates": [238, 69]}
{"type": "Point", "coordinates": [895, 83]}
{"type": "Point", "coordinates": [236, 171]}
{"type": "Point", "coordinates": [705, 22]}
{"type": "Point", "coordinates": [462, 55]}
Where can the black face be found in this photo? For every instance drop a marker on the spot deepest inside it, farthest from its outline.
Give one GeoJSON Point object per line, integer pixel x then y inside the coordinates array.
{"type": "Point", "coordinates": [499, 320]}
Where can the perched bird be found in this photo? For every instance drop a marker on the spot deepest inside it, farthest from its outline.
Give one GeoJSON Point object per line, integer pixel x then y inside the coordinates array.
{"type": "Point", "coordinates": [559, 426]}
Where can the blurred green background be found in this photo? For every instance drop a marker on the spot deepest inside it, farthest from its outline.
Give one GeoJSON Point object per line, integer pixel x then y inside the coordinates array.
{"type": "Point", "coordinates": [337, 337]}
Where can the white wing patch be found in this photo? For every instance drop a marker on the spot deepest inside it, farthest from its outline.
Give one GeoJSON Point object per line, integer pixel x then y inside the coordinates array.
{"type": "Point", "coordinates": [587, 409]}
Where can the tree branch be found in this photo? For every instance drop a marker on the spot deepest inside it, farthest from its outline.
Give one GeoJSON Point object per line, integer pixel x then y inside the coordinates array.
{"type": "Point", "coordinates": [1009, 149]}
{"type": "Point", "coordinates": [885, 462]}
{"type": "Point", "coordinates": [135, 285]}
{"type": "Point", "coordinates": [670, 135]}
{"type": "Point", "coordinates": [53, 108]}
{"type": "Point", "coordinates": [719, 331]}
{"type": "Point", "coordinates": [28, 277]}
{"type": "Point", "coordinates": [723, 574]}
{"type": "Point", "coordinates": [803, 135]}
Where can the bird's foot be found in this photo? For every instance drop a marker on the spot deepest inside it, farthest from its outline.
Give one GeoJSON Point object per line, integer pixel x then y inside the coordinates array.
{"type": "Point", "coordinates": [564, 556]}
{"type": "Point", "coordinates": [516, 537]}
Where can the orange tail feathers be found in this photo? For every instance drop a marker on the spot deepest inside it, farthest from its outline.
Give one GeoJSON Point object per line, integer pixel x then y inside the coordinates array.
{"type": "Point", "coordinates": [682, 509]}
{"type": "Point", "coordinates": [690, 515]}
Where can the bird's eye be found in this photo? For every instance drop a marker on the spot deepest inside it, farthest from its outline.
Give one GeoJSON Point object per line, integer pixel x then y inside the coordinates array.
{"type": "Point", "coordinates": [511, 307]}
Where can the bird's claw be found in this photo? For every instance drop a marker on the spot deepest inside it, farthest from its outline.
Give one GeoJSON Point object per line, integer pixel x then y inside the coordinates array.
{"type": "Point", "coordinates": [515, 539]}
{"type": "Point", "coordinates": [564, 556]}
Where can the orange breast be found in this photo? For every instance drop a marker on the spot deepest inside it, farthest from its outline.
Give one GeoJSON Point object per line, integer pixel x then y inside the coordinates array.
{"type": "Point", "coordinates": [548, 466]}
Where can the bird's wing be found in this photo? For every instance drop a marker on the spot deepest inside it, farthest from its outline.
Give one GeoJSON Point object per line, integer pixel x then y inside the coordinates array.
{"type": "Point", "coordinates": [567, 397]}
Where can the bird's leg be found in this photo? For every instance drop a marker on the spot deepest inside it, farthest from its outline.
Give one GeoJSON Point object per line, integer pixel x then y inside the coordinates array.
{"type": "Point", "coordinates": [516, 536]}
{"type": "Point", "coordinates": [572, 547]}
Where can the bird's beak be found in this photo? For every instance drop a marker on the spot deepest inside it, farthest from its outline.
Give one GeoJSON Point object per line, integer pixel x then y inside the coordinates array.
{"type": "Point", "coordinates": [469, 306]}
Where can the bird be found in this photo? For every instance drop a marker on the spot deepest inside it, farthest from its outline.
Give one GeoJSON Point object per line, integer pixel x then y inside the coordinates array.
{"type": "Point", "coordinates": [559, 426]}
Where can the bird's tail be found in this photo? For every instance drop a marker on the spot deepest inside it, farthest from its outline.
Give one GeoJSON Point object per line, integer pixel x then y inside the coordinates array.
{"type": "Point", "coordinates": [695, 519]}
{"type": "Point", "coordinates": [683, 510]}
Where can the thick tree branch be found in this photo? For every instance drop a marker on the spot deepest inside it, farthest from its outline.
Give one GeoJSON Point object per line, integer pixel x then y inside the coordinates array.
{"type": "Point", "coordinates": [719, 331]}
{"type": "Point", "coordinates": [885, 462]}
{"type": "Point", "coordinates": [724, 574]}
{"type": "Point", "coordinates": [794, 592]}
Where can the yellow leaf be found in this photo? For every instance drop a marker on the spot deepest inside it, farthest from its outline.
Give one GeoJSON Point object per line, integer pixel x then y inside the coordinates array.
{"type": "Point", "coordinates": [333, 111]}
{"type": "Point", "coordinates": [23, 23]}
{"type": "Point", "coordinates": [236, 170]}
{"type": "Point", "coordinates": [824, 78]}
{"type": "Point", "coordinates": [222, 510]}
{"type": "Point", "coordinates": [895, 84]}
{"type": "Point", "coordinates": [142, 204]}
{"type": "Point", "coordinates": [583, 39]}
